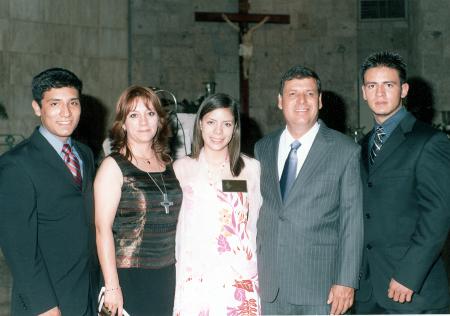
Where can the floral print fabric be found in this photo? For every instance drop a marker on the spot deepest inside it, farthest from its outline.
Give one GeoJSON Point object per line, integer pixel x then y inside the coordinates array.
{"type": "Point", "coordinates": [216, 250]}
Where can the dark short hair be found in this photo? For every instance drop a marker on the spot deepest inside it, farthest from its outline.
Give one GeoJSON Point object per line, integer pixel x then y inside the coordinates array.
{"type": "Point", "coordinates": [300, 72]}
{"type": "Point", "coordinates": [213, 102]}
{"type": "Point", "coordinates": [126, 104]}
{"type": "Point", "coordinates": [385, 59]}
{"type": "Point", "coordinates": [54, 78]}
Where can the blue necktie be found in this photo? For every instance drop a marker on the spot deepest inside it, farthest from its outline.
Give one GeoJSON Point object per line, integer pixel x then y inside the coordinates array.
{"type": "Point", "coordinates": [290, 170]}
{"type": "Point", "coordinates": [377, 143]}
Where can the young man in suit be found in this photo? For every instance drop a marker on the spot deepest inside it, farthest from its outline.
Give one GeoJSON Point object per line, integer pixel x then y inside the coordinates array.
{"type": "Point", "coordinates": [406, 182]}
{"type": "Point", "coordinates": [310, 233]}
{"type": "Point", "coordinates": [46, 225]}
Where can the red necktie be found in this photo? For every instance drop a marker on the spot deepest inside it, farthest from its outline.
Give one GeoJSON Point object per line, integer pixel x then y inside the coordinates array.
{"type": "Point", "coordinates": [72, 163]}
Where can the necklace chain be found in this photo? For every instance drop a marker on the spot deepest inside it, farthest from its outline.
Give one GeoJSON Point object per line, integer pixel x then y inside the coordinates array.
{"type": "Point", "coordinates": [166, 203]}
{"type": "Point", "coordinates": [146, 160]}
{"type": "Point", "coordinates": [143, 158]}
{"type": "Point", "coordinates": [215, 175]}
{"type": "Point", "coordinates": [154, 181]}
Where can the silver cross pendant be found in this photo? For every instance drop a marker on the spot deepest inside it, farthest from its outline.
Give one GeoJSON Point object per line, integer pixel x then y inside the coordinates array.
{"type": "Point", "coordinates": [166, 203]}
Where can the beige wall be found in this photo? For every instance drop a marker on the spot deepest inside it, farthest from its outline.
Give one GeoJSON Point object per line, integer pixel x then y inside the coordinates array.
{"type": "Point", "coordinates": [172, 51]}
{"type": "Point", "coordinates": [429, 49]}
{"type": "Point", "coordinates": [88, 37]}
{"type": "Point", "coordinates": [423, 39]}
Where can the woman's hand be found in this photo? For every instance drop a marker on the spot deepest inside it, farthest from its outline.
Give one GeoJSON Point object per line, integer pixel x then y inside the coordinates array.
{"type": "Point", "coordinates": [114, 301]}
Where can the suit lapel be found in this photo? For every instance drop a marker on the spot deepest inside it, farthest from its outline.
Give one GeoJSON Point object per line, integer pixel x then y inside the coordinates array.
{"type": "Point", "coordinates": [365, 152]}
{"type": "Point", "coordinates": [394, 141]}
{"type": "Point", "coordinates": [51, 157]}
{"type": "Point", "coordinates": [85, 160]}
{"type": "Point", "coordinates": [273, 164]}
{"type": "Point", "coordinates": [315, 156]}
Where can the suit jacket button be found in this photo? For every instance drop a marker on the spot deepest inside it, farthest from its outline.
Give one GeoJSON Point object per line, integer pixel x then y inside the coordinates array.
{"type": "Point", "coordinates": [369, 184]}
{"type": "Point", "coordinates": [369, 246]}
{"type": "Point", "coordinates": [282, 218]}
{"type": "Point", "coordinates": [368, 215]}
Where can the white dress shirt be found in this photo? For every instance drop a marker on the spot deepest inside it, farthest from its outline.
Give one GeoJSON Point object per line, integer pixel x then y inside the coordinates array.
{"type": "Point", "coordinates": [284, 147]}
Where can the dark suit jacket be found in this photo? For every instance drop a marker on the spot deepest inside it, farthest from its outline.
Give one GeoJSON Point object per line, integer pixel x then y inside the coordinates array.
{"type": "Point", "coordinates": [407, 216]}
{"type": "Point", "coordinates": [314, 239]}
{"type": "Point", "coordinates": [46, 228]}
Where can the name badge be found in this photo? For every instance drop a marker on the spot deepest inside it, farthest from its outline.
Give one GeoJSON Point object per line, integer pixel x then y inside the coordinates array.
{"type": "Point", "coordinates": [234, 185]}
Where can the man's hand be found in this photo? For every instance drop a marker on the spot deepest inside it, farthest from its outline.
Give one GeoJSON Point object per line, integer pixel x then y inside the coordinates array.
{"type": "Point", "coordinates": [52, 312]}
{"type": "Point", "coordinates": [340, 298]}
{"type": "Point", "coordinates": [399, 293]}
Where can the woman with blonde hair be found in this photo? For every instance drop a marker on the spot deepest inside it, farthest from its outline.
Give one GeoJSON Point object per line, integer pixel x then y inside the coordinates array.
{"type": "Point", "coordinates": [137, 201]}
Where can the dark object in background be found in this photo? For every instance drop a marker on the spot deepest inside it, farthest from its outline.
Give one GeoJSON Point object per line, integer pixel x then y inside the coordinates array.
{"type": "Point", "coordinates": [250, 134]}
{"type": "Point", "coordinates": [3, 114]}
{"type": "Point", "coordinates": [420, 99]}
{"type": "Point", "coordinates": [91, 129]}
{"type": "Point", "coordinates": [334, 111]}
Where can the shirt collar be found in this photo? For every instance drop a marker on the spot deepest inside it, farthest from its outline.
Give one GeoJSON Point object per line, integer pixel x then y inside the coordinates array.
{"type": "Point", "coordinates": [391, 123]}
{"type": "Point", "coordinates": [56, 143]}
{"type": "Point", "coordinates": [307, 138]}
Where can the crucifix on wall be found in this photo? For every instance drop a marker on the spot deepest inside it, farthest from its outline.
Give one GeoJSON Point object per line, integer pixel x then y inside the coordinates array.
{"type": "Point", "coordinates": [240, 22]}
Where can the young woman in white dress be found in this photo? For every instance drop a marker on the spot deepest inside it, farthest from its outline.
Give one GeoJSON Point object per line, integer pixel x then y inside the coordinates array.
{"type": "Point", "coordinates": [216, 268]}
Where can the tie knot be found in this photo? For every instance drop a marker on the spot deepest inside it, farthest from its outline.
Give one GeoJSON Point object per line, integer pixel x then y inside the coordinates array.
{"type": "Point", "coordinates": [295, 145]}
{"type": "Point", "coordinates": [380, 131]}
{"type": "Point", "coordinates": [66, 149]}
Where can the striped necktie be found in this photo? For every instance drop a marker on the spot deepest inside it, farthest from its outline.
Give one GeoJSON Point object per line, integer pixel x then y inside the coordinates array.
{"type": "Point", "coordinates": [377, 143]}
{"type": "Point", "coordinates": [290, 170]}
{"type": "Point", "coordinates": [72, 163]}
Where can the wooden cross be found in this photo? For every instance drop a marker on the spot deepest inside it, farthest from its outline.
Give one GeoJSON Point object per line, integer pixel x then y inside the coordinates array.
{"type": "Point", "coordinates": [242, 19]}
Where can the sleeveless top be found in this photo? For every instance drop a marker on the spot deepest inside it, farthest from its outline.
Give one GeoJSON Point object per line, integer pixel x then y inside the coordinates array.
{"type": "Point", "coordinates": [144, 234]}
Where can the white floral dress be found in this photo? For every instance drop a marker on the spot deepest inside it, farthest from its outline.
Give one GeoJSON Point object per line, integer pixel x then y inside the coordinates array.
{"type": "Point", "coordinates": [216, 243]}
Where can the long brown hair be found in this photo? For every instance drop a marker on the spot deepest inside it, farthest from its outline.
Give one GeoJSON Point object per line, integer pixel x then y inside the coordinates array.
{"type": "Point", "coordinates": [213, 102]}
{"type": "Point", "coordinates": [126, 104]}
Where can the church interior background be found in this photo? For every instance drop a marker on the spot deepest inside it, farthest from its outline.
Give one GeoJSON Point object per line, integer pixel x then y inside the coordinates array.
{"type": "Point", "coordinates": [112, 44]}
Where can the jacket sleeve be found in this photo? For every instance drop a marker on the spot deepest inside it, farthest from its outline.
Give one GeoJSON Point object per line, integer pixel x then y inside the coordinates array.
{"type": "Point", "coordinates": [19, 239]}
{"type": "Point", "coordinates": [433, 200]}
{"type": "Point", "coordinates": [351, 234]}
{"type": "Point", "coordinates": [256, 151]}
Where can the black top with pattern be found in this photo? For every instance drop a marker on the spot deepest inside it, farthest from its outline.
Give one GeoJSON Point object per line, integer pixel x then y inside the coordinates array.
{"type": "Point", "coordinates": [144, 234]}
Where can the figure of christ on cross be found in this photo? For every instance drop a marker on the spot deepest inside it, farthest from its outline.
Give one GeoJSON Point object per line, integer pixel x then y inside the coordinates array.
{"type": "Point", "coordinates": [240, 21]}
{"type": "Point", "coordinates": [246, 45]}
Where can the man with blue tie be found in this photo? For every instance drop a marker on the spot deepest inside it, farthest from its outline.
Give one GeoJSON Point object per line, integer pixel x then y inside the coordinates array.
{"type": "Point", "coordinates": [46, 224]}
{"type": "Point", "coordinates": [310, 226]}
{"type": "Point", "coordinates": [406, 182]}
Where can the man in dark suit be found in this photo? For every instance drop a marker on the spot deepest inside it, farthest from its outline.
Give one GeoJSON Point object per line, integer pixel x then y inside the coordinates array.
{"type": "Point", "coordinates": [46, 225]}
{"type": "Point", "coordinates": [310, 226]}
{"type": "Point", "coordinates": [406, 182]}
